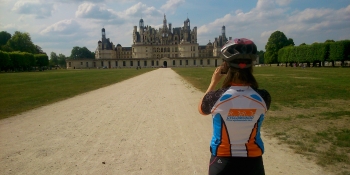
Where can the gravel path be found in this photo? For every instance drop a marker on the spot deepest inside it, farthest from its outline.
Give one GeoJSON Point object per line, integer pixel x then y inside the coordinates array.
{"type": "Point", "coordinates": [148, 124]}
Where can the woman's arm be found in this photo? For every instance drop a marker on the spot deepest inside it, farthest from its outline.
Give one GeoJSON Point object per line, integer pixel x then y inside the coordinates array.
{"type": "Point", "coordinates": [215, 79]}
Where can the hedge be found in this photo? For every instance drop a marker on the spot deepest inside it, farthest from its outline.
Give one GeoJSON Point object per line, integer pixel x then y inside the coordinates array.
{"type": "Point", "coordinates": [22, 61]}
{"type": "Point", "coordinates": [317, 52]}
{"type": "Point", "coordinates": [339, 51]}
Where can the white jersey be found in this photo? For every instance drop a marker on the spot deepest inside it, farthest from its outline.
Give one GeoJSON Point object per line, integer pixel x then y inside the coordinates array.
{"type": "Point", "coordinates": [237, 118]}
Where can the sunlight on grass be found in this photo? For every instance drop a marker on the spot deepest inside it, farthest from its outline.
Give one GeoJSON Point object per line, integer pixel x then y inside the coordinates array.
{"type": "Point", "coordinates": [27, 90]}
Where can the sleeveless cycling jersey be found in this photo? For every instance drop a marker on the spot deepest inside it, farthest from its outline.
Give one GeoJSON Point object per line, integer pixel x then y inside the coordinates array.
{"type": "Point", "coordinates": [237, 117]}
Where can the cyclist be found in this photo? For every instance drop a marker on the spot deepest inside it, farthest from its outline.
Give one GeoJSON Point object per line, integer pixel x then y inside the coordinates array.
{"type": "Point", "coordinates": [238, 109]}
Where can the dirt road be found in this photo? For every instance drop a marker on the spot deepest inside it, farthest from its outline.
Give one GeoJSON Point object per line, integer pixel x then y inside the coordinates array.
{"type": "Point", "coordinates": [145, 125]}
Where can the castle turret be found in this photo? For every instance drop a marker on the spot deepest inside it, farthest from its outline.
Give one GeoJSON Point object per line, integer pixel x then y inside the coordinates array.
{"type": "Point", "coordinates": [223, 32]}
{"type": "Point", "coordinates": [103, 33]}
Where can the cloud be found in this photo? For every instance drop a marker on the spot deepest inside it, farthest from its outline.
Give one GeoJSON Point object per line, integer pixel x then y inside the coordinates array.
{"type": "Point", "coordinates": [92, 1]}
{"type": "Point", "coordinates": [283, 2]}
{"type": "Point", "coordinates": [89, 10]}
{"type": "Point", "coordinates": [40, 9]}
{"type": "Point", "coordinates": [140, 10]}
{"type": "Point", "coordinates": [172, 5]}
{"type": "Point", "coordinates": [267, 16]}
{"type": "Point", "coordinates": [64, 27]}
{"type": "Point", "coordinates": [318, 20]}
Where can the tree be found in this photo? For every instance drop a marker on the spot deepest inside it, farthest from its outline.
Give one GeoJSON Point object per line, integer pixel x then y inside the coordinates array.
{"type": "Point", "coordinates": [81, 52]}
{"type": "Point", "coordinates": [290, 42]}
{"type": "Point", "coordinates": [277, 41]}
{"type": "Point", "coordinates": [261, 56]}
{"type": "Point", "coordinates": [53, 59]}
{"type": "Point", "coordinates": [39, 50]}
{"type": "Point", "coordinates": [4, 37]}
{"type": "Point", "coordinates": [62, 60]}
{"type": "Point", "coordinates": [21, 42]}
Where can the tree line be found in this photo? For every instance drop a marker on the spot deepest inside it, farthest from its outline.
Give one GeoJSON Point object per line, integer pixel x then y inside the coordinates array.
{"type": "Point", "coordinates": [279, 49]}
{"type": "Point", "coordinates": [19, 53]}
{"type": "Point", "coordinates": [22, 61]}
{"type": "Point", "coordinates": [316, 53]}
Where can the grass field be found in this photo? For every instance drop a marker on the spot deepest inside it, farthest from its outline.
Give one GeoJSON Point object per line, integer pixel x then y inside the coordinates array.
{"type": "Point", "coordinates": [27, 90]}
{"type": "Point", "coordinates": [310, 110]}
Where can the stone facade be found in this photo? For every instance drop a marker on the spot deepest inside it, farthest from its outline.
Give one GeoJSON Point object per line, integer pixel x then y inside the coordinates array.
{"type": "Point", "coordinates": [163, 47]}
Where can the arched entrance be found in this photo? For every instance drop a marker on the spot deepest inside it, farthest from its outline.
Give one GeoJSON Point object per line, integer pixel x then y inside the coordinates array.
{"type": "Point", "coordinates": [165, 64]}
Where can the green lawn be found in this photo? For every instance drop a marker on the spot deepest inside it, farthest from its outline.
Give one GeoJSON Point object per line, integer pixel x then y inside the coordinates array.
{"type": "Point", "coordinates": [27, 90]}
{"type": "Point", "coordinates": [310, 109]}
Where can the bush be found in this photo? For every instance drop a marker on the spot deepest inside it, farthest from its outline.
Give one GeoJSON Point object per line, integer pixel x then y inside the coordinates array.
{"type": "Point", "coordinates": [5, 61]}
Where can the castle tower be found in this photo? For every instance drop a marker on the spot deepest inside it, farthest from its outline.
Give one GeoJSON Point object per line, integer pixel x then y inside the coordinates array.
{"type": "Point", "coordinates": [164, 22]}
{"type": "Point", "coordinates": [223, 32]}
{"type": "Point", "coordinates": [103, 34]}
{"type": "Point", "coordinates": [142, 27]}
{"type": "Point", "coordinates": [104, 46]}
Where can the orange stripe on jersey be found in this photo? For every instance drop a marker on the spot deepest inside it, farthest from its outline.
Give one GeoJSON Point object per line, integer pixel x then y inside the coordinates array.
{"type": "Point", "coordinates": [223, 102]}
{"type": "Point", "coordinates": [256, 101]}
{"type": "Point", "coordinates": [224, 149]}
{"type": "Point", "coordinates": [253, 149]}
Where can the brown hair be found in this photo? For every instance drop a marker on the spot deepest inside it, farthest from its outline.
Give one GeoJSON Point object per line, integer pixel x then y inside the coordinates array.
{"type": "Point", "coordinates": [240, 76]}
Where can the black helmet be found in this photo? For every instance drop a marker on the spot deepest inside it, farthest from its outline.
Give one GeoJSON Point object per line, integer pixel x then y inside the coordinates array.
{"type": "Point", "coordinates": [239, 53]}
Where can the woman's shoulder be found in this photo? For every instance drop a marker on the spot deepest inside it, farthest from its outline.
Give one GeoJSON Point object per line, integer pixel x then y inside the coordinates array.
{"type": "Point", "coordinates": [262, 92]}
{"type": "Point", "coordinates": [265, 95]}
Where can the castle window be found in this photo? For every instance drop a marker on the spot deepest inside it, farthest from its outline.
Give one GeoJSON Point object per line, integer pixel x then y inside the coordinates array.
{"type": "Point", "coordinates": [194, 62]}
{"type": "Point", "coordinates": [131, 63]}
{"type": "Point", "coordinates": [208, 61]}
{"type": "Point", "coordinates": [173, 62]}
{"type": "Point", "coordinates": [152, 63]}
{"type": "Point", "coordinates": [186, 62]}
{"type": "Point", "coordinates": [116, 63]}
{"type": "Point", "coordinates": [124, 64]}
{"type": "Point", "coordinates": [145, 63]}
{"type": "Point", "coordinates": [69, 64]}
{"type": "Point", "coordinates": [102, 63]}
{"type": "Point", "coordinates": [81, 63]}
{"type": "Point", "coordinates": [201, 62]}
{"type": "Point", "coordinates": [180, 62]}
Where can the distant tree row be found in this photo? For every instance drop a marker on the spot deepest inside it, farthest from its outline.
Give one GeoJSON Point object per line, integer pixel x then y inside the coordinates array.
{"type": "Point", "coordinates": [18, 42]}
{"type": "Point", "coordinates": [22, 61]}
{"type": "Point", "coordinates": [18, 53]}
{"type": "Point", "coordinates": [76, 53]}
{"type": "Point", "coordinates": [57, 60]}
{"type": "Point", "coordinates": [279, 49]}
{"type": "Point", "coordinates": [81, 53]}
{"type": "Point", "coordinates": [316, 53]}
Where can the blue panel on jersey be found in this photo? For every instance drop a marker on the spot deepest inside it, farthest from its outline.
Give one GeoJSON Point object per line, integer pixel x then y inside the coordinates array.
{"type": "Point", "coordinates": [227, 96]}
{"type": "Point", "coordinates": [216, 139]}
{"type": "Point", "coordinates": [256, 97]}
{"type": "Point", "coordinates": [258, 139]}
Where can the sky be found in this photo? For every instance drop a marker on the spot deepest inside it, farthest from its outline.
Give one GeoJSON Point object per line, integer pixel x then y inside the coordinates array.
{"type": "Point", "coordinates": [59, 25]}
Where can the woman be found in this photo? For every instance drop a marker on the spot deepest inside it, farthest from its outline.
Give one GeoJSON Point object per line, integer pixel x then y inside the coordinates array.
{"type": "Point", "coordinates": [238, 110]}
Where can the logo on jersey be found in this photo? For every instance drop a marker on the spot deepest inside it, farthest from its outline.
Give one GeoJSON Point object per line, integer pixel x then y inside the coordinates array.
{"type": "Point", "coordinates": [241, 115]}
